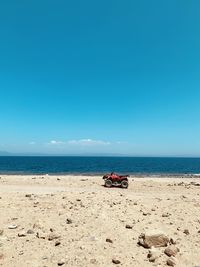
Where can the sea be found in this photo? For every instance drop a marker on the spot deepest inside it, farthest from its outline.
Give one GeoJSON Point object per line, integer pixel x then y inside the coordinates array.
{"type": "Point", "coordinates": [99, 165]}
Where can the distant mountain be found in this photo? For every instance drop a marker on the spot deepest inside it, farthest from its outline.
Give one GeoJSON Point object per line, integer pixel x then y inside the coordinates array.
{"type": "Point", "coordinates": [4, 153]}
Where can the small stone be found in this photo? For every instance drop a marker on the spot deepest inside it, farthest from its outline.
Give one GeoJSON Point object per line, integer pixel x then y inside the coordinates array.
{"type": "Point", "coordinates": [165, 215]}
{"type": "Point", "coordinates": [13, 226]}
{"type": "Point", "coordinates": [28, 195]}
{"type": "Point", "coordinates": [61, 262]}
{"type": "Point", "coordinates": [30, 232]}
{"type": "Point", "coordinates": [53, 236]}
{"type": "Point", "coordinates": [172, 241]}
{"type": "Point", "coordinates": [57, 243]}
{"type": "Point", "coordinates": [41, 235]}
{"type": "Point", "coordinates": [68, 221]}
{"type": "Point", "coordinates": [171, 251]}
{"type": "Point", "coordinates": [172, 261]}
{"type": "Point", "coordinates": [128, 226]}
{"type": "Point", "coordinates": [21, 234]}
{"type": "Point", "coordinates": [186, 231]}
{"type": "Point", "coordinates": [1, 256]}
{"type": "Point", "coordinates": [1, 232]}
{"type": "Point", "coordinates": [152, 255]}
{"type": "Point", "coordinates": [108, 240]}
{"type": "Point", "coordinates": [93, 261]}
{"type": "Point", "coordinates": [116, 261]}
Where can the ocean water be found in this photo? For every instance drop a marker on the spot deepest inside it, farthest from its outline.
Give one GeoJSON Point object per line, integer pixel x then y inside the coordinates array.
{"type": "Point", "coordinates": [99, 165]}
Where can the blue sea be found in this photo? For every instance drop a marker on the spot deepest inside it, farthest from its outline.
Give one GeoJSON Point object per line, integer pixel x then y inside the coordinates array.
{"type": "Point", "coordinates": [99, 165]}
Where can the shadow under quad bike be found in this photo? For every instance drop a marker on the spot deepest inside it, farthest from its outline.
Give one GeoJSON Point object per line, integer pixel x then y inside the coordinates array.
{"type": "Point", "coordinates": [114, 179]}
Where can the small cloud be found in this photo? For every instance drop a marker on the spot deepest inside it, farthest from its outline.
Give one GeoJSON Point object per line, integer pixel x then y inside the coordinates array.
{"type": "Point", "coordinates": [32, 143]}
{"type": "Point", "coordinates": [85, 142]}
{"type": "Point", "coordinates": [54, 142]}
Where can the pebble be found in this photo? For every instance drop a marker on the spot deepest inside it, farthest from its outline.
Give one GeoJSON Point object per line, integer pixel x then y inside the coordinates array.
{"type": "Point", "coordinates": [30, 232]}
{"type": "Point", "coordinates": [53, 236]}
{"type": "Point", "coordinates": [13, 226]}
{"type": "Point", "coordinates": [61, 262]}
{"type": "Point", "coordinates": [172, 261]}
{"type": "Point", "coordinates": [171, 251]}
{"type": "Point", "coordinates": [1, 232]}
{"type": "Point", "coordinates": [186, 231]}
{"type": "Point", "coordinates": [57, 243]}
{"type": "Point", "coordinates": [128, 226]}
{"type": "Point", "coordinates": [68, 221]}
{"type": "Point", "coordinates": [93, 261]}
{"type": "Point", "coordinates": [21, 234]}
{"type": "Point", "coordinates": [116, 261]}
{"type": "Point", "coordinates": [108, 240]}
{"type": "Point", "coordinates": [165, 215]}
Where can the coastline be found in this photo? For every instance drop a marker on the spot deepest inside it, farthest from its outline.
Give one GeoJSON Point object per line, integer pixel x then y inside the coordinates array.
{"type": "Point", "coordinates": [44, 204]}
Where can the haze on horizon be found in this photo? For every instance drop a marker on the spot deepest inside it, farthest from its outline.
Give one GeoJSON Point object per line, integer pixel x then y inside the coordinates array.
{"type": "Point", "coordinates": [108, 77]}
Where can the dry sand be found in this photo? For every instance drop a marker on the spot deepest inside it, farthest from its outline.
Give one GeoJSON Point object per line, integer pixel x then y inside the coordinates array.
{"type": "Point", "coordinates": [78, 214]}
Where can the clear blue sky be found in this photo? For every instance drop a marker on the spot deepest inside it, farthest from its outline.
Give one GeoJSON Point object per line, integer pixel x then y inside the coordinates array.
{"type": "Point", "coordinates": [100, 76]}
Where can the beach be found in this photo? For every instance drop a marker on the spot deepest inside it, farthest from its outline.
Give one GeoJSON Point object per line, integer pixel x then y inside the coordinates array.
{"type": "Point", "coordinates": [75, 221]}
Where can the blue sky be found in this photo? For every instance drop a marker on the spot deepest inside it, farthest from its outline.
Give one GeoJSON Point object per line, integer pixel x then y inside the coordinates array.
{"type": "Point", "coordinates": [100, 77]}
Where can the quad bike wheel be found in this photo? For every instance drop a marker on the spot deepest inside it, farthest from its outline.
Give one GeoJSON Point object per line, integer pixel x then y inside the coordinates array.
{"type": "Point", "coordinates": [124, 184]}
{"type": "Point", "coordinates": [108, 183]}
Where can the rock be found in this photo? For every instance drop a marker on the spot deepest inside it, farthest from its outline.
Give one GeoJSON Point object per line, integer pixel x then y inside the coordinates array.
{"type": "Point", "coordinates": [12, 226]}
{"type": "Point", "coordinates": [165, 215]}
{"type": "Point", "coordinates": [128, 226]}
{"type": "Point", "coordinates": [108, 240]}
{"type": "Point", "coordinates": [28, 195]}
{"type": "Point", "coordinates": [22, 234]}
{"type": "Point", "coordinates": [152, 255]}
{"type": "Point", "coordinates": [171, 251]}
{"type": "Point", "coordinates": [153, 240]}
{"type": "Point", "coordinates": [93, 261]}
{"type": "Point", "coordinates": [186, 231]}
{"type": "Point", "coordinates": [1, 232]}
{"type": "Point", "coordinates": [61, 262]}
{"type": "Point", "coordinates": [172, 261]}
{"type": "Point", "coordinates": [40, 235]}
{"type": "Point", "coordinates": [68, 221]}
{"type": "Point", "coordinates": [116, 261]}
{"type": "Point", "coordinates": [53, 236]}
{"type": "Point", "coordinates": [30, 232]}
{"type": "Point", "coordinates": [1, 256]}
{"type": "Point", "coordinates": [57, 243]}
{"type": "Point", "coordinates": [172, 241]}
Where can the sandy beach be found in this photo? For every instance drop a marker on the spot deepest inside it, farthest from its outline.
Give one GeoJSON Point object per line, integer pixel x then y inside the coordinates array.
{"type": "Point", "coordinates": [74, 221]}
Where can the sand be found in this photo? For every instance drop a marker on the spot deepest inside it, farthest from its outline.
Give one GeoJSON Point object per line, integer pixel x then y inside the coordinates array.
{"type": "Point", "coordinates": [69, 219]}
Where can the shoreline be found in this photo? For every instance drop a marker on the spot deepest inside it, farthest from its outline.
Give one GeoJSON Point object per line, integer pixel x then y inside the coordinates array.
{"type": "Point", "coordinates": [132, 175]}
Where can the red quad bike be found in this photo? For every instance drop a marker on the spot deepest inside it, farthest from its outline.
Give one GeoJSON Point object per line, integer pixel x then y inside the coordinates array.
{"type": "Point", "coordinates": [114, 179]}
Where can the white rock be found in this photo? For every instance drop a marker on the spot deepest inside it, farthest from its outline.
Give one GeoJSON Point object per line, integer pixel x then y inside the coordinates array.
{"type": "Point", "coordinates": [12, 226]}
